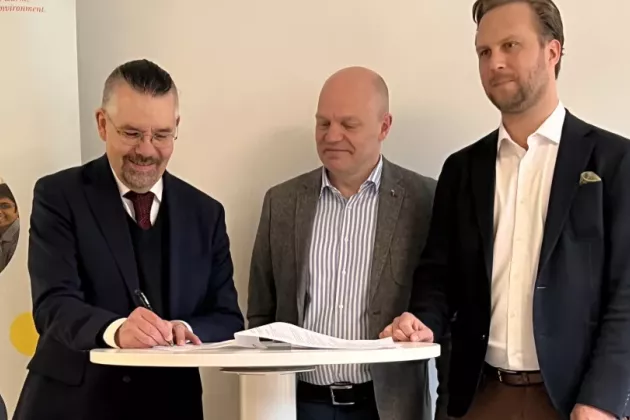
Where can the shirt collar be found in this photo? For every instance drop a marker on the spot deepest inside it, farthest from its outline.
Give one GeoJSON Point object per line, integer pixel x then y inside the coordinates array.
{"type": "Point", "coordinates": [373, 179]}
{"type": "Point", "coordinates": [156, 189]}
{"type": "Point", "coordinates": [551, 128]}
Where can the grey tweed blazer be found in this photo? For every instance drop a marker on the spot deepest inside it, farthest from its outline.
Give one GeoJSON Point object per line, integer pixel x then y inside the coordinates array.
{"type": "Point", "coordinates": [279, 262]}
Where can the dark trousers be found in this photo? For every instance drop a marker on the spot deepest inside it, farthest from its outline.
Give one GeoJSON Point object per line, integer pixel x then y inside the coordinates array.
{"type": "Point", "coordinates": [323, 411]}
{"type": "Point", "coordinates": [316, 403]}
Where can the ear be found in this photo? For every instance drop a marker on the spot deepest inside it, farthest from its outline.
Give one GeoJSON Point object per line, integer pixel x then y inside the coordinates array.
{"type": "Point", "coordinates": [101, 123]}
{"type": "Point", "coordinates": [555, 52]}
{"type": "Point", "coordinates": [386, 125]}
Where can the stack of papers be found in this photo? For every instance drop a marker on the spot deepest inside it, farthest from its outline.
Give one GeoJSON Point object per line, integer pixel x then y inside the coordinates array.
{"type": "Point", "coordinates": [286, 335]}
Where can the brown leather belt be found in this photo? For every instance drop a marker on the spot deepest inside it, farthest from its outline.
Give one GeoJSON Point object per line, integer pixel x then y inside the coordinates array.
{"type": "Point", "coordinates": [513, 378]}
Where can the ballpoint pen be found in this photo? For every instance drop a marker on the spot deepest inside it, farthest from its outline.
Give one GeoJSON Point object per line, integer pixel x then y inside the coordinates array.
{"type": "Point", "coordinates": [145, 303]}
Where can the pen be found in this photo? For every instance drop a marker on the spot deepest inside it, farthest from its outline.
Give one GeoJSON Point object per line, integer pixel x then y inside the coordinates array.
{"type": "Point", "coordinates": [145, 303]}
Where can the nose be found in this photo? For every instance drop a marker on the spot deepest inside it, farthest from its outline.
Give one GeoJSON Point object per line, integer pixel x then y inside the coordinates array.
{"type": "Point", "coordinates": [145, 147]}
{"type": "Point", "coordinates": [334, 133]}
{"type": "Point", "coordinates": [497, 61]}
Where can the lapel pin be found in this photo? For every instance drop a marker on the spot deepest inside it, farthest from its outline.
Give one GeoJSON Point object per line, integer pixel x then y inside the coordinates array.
{"type": "Point", "coordinates": [393, 193]}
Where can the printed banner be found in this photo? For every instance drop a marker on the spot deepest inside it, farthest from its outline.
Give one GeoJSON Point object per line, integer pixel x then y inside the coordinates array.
{"type": "Point", "coordinates": [39, 134]}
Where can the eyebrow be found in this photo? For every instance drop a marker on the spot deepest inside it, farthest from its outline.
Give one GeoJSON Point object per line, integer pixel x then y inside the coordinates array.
{"type": "Point", "coordinates": [164, 130]}
{"type": "Point", "coordinates": [351, 118]}
{"type": "Point", "coordinates": [130, 127]}
{"type": "Point", "coordinates": [502, 41]}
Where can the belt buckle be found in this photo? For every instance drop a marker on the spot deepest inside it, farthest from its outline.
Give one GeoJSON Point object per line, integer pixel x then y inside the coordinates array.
{"type": "Point", "coordinates": [500, 373]}
{"type": "Point", "coordinates": [335, 387]}
{"type": "Point", "coordinates": [523, 376]}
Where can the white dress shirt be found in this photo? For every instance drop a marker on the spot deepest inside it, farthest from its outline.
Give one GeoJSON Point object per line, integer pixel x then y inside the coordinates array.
{"type": "Point", "coordinates": [157, 189]}
{"type": "Point", "coordinates": [521, 198]}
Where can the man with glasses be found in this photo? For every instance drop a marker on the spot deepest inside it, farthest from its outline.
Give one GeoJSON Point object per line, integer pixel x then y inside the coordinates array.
{"type": "Point", "coordinates": [124, 254]}
{"type": "Point", "coordinates": [9, 225]}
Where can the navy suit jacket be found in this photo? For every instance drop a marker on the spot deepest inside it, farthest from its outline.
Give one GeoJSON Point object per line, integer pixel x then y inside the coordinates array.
{"type": "Point", "coordinates": [83, 276]}
{"type": "Point", "coordinates": [582, 292]}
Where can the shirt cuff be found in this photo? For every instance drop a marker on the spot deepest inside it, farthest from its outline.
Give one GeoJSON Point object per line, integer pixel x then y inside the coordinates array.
{"type": "Point", "coordinates": [109, 336]}
{"type": "Point", "coordinates": [185, 323]}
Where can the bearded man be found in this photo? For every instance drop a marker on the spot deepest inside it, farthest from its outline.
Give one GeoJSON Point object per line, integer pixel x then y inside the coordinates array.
{"type": "Point", "coordinates": [123, 254]}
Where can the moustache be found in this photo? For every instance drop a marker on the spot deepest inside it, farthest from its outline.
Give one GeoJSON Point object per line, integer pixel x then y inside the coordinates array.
{"type": "Point", "coordinates": [142, 160]}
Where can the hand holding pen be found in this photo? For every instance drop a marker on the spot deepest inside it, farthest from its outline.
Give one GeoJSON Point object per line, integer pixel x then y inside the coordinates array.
{"type": "Point", "coordinates": [147, 305]}
{"type": "Point", "coordinates": [144, 328]}
{"type": "Point", "coordinates": [182, 334]}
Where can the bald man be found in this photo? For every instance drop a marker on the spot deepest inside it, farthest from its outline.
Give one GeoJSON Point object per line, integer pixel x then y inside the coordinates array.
{"type": "Point", "coordinates": [336, 250]}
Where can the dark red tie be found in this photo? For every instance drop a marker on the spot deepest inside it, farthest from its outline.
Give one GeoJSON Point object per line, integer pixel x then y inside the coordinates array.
{"type": "Point", "coordinates": [142, 207]}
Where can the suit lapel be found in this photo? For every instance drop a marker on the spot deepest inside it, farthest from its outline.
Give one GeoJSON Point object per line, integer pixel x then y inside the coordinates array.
{"type": "Point", "coordinates": [573, 155]}
{"type": "Point", "coordinates": [177, 212]}
{"type": "Point", "coordinates": [106, 204]}
{"type": "Point", "coordinates": [391, 196]}
{"type": "Point", "coordinates": [305, 208]}
{"type": "Point", "coordinates": [483, 176]}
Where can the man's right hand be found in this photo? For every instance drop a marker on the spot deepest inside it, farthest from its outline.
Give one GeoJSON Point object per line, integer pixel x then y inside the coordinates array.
{"type": "Point", "coordinates": [144, 329]}
{"type": "Point", "coordinates": [408, 328]}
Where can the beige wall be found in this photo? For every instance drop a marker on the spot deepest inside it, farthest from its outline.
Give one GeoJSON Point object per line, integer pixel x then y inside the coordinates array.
{"type": "Point", "coordinates": [250, 72]}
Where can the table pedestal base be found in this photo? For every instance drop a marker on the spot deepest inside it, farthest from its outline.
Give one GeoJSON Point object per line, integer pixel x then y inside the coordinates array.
{"type": "Point", "coordinates": [267, 393]}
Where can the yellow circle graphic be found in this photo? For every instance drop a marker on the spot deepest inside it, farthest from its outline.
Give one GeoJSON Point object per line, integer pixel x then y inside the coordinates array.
{"type": "Point", "coordinates": [23, 335]}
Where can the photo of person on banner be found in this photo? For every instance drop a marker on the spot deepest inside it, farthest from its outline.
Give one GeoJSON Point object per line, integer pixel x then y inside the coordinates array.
{"type": "Point", "coordinates": [9, 225]}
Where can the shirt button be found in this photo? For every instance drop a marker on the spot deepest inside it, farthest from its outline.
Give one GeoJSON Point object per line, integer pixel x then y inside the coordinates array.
{"type": "Point", "coordinates": [340, 306]}
{"type": "Point", "coordinates": [126, 379]}
{"type": "Point", "coordinates": [343, 272]}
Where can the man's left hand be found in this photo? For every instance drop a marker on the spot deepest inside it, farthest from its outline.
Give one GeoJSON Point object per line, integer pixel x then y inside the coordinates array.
{"type": "Point", "coordinates": [585, 412]}
{"type": "Point", "coordinates": [181, 334]}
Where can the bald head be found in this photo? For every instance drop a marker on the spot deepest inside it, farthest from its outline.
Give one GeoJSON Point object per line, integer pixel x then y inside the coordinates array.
{"type": "Point", "coordinates": [361, 84]}
{"type": "Point", "coordinates": [353, 119]}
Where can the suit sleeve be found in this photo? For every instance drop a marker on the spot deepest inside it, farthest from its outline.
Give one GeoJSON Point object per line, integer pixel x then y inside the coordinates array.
{"type": "Point", "coordinates": [429, 295]}
{"type": "Point", "coordinates": [222, 316]}
{"type": "Point", "coordinates": [261, 305]}
{"type": "Point", "coordinates": [59, 308]}
{"type": "Point", "coordinates": [606, 384]}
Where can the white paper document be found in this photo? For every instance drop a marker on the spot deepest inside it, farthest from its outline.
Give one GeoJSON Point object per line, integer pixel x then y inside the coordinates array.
{"type": "Point", "coordinates": [203, 346]}
{"type": "Point", "coordinates": [300, 337]}
{"type": "Point", "coordinates": [285, 335]}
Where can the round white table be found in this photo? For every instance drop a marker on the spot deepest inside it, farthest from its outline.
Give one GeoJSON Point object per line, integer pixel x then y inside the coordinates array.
{"type": "Point", "coordinates": [267, 376]}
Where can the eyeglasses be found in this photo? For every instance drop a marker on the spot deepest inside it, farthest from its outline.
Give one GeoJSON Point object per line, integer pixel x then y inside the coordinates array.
{"type": "Point", "coordinates": [134, 137]}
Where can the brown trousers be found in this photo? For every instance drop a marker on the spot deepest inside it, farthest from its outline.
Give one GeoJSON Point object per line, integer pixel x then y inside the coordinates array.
{"type": "Point", "coordinates": [495, 400]}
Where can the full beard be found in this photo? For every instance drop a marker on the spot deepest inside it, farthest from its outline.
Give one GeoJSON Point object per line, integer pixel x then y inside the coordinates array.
{"type": "Point", "coordinates": [140, 180]}
{"type": "Point", "coordinates": [527, 93]}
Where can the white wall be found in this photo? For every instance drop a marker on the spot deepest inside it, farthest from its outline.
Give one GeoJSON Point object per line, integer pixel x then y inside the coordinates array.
{"type": "Point", "coordinates": [250, 74]}
{"type": "Point", "coordinates": [39, 134]}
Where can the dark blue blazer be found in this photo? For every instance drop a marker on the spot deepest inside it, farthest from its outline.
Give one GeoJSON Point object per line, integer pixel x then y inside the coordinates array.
{"type": "Point", "coordinates": [582, 292]}
{"type": "Point", "coordinates": [83, 276]}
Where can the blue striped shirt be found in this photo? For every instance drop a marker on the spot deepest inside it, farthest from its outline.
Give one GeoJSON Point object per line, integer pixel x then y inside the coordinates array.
{"type": "Point", "coordinates": [340, 260]}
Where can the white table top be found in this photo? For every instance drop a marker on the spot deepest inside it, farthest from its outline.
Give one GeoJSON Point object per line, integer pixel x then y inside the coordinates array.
{"type": "Point", "coordinates": [241, 358]}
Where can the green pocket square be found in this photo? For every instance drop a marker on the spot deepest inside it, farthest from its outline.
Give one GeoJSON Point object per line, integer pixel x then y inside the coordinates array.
{"type": "Point", "coordinates": [588, 177]}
